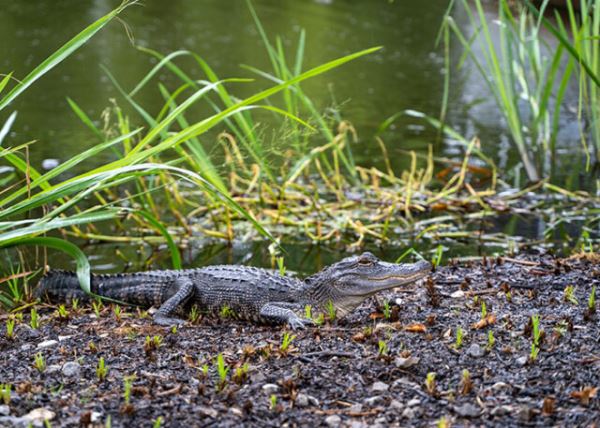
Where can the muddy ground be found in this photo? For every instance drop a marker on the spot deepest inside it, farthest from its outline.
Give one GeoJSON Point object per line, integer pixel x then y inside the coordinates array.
{"type": "Point", "coordinates": [365, 370]}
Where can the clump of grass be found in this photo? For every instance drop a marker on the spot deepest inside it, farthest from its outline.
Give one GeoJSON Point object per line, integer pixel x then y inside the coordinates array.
{"type": "Point", "coordinates": [382, 349]}
{"type": "Point", "coordinates": [127, 407]}
{"type": "Point", "coordinates": [117, 312]}
{"type": "Point", "coordinates": [39, 362]}
{"type": "Point", "coordinates": [331, 311]}
{"type": "Point", "coordinates": [194, 314]}
{"type": "Point", "coordinates": [226, 312]}
{"type": "Point", "coordinates": [591, 305]}
{"type": "Point", "coordinates": [491, 340]}
{"type": "Point", "coordinates": [151, 344]}
{"type": "Point", "coordinates": [286, 341]}
{"type": "Point", "coordinates": [62, 313]}
{"type": "Point", "coordinates": [569, 295]}
{"type": "Point", "coordinates": [222, 371]}
{"type": "Point", "coordinates": [273, 402]}
{"type": "Point", "coordinates": [157, 422]}
{"type": "Point", "coordinates": [34, 320]}
{"type": "Point", "coordinates": [458, 342]}
{"type": "Point", "coordinates": [387, 310]}
{"type": "Point", "coordinates": [10, 328]}
{"type": "Point", "coordinates": [240, 374]}
{"type": "Point", "coordinates": [537, 334]}
{"type": "Point", "coordinates": [97, 306]}
{"type": "Point", "coordinates": [101, 369]}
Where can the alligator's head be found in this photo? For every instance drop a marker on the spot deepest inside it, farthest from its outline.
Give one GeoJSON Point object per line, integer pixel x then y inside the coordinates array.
{"type": "Point", "coordinates": [350, 281]}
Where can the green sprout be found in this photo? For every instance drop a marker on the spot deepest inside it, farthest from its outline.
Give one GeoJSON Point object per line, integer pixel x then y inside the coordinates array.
{"type": "Point", "coordinates": [152, 343]}
{"type": "Point", "coordinates": [308, 312]}
{"type": "Point", "coordinates": [34, 321]}
{"type": "Point", "coordinates": [535, 345]}
{"type": "Point", "coordinates": [5, 393]}
{"type": "Point", "coordinates": [10, 328]}
{"type": "Point", "coordinates": [226, 312]}
{"type": "Point", "coordinates": [62, 312]}
{"type": "Point", "coordinates": [281, 266]}
{"type": "Point", "coordinates": [286, 341]}
{"type": "Point", "coordinates": [101, 370]}
{"type": "Point", "coordinates": [97, 307]}
{"type": "Point", "coordinates": [273, 401]}
{"type": "Point", "coordinates": [459, 337]}
{"type": "Point", "coordinates": [508, 295]}
{"type": "Point", "coordinates": [466, 384]}
{"type": "Point", "coordinates": [430, 383]}
{"type": "Point", "coordinates": [437, 258]}
{"type": "Point", "coordinates": [222, 371]}
{"type": "Point", "coordinates": [39, 362]}
{"type": "Point", "coordinates": [592, 300]}
{"type": "Point", "coordinates": [240, 375]}
{"type": "Point", "coordinates": [483, 309]}
{"type": "Point", "coordinates": [387, 310]}
{"type": "Point", "coordinates": [157, 422]}
{"type": "Point", "coordinates": [75, 304]}
{"type": "Point", "coordinates": [194, 314]}
{"type": "Point", "coordinates": [127, 383]}
{"type": "Point", "coordinates": [117, 312]}
{"type": "Point", "coordinates": [204, 370]}
{"type": "Point", "coordinates": [569, 295]}
{"type": "Point", "coordinates": [320, 320]}
{"type": "Point", "coordinates": [382, 348]}
{"type": "Point", "coordinates": [174, 329]}
{"type": "Point", "coordinates": [491, 340]}
{"type": "Point", "coordinates": [331, 311]}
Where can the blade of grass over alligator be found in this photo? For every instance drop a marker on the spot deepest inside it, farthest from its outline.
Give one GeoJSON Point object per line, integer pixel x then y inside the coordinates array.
{"type": "Point", "coordinates": [250, 293]}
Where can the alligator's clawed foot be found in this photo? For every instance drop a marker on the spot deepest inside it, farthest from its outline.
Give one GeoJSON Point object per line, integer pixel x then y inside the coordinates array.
{"type": "Point", "coordinates": [168, 321]}
{"type": "Point", "coordinates": [300, 323]}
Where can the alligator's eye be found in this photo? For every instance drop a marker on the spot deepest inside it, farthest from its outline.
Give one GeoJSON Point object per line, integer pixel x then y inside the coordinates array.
{"type": "Point", "coordinates": [365, 262]}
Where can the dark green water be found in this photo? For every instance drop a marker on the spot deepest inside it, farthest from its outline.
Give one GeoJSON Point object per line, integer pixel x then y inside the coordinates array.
{"type": "Point", "coordinates": [406, 74]}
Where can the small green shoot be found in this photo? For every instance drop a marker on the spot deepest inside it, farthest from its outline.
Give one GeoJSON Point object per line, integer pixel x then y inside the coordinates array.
{"type": "Point", "coordinates": [222, 371]}
{"type": "Point", "coordinates": [226, 312]}
{"type": "Point", "coordinates": [97, 307]}
{"type": "Point", "coordinates": [592, 300]}
{"type": "Point", "coordinates": [535, 345]}
{"type": "Point", "coordinates": [117, 312]}
{"type": "Point", "coordinates": [430, 383]}
{"type": "Point", "coordinates": [466, 383]}
{"type": "Point", "coordinates": [75, 304]}
{"type": "Point", "coordinates": [10, 328]}
{"type": "Point", "coordinates": [62, 312]}
{"type": "Point", "coordinates": [382, 348]}
{"type": "Point", "coordinates": [5, 393]}
{"type": "Point", "coordinates": [320, 320]}
{"type": "Point", "coordinates": [194, 314]}
{"type": "Point", "coordinates": [240, 374]}
{"type": "Point", "coordinates": [286, 341]}
{"type": "Point", "coordinates": [459, 338]}
{"type": "Point", "coordinates": [173, 329]}
{"type": "Point", "coordinates": [308, 312]}
{"type": "Point", "coordinates": [483, 310]}
{"type": "Point", "coordinates": [331, 311]}
{"type": "Point", "coordinates": [152, 343]}
{"type": "Point", "coordinates": [491, 340]}
{"type": "Point", "coordinates": [101, 369]}
{"type": "Point", "coordinates": [569, 295]}
{"type": "Point", "coordinates": [39, 362]}
{"type": "Point", "coordinates": [34, 321]}
{"type": "Point", "coordinates": [273, 401]}
{"type": "Point", "coordinates": [127, 383]}
{"type": "Point", "coordinates": [387, 310]}
{"type": "Point", "coordinates": [437, 258]}
{"type": "Point", "coordinates": [280, 266]}
{"type": "Point", "coordinates": [157, 422]}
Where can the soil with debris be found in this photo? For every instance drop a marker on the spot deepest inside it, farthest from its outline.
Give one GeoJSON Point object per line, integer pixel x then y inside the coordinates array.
{"type": "Point", "coordinates": [365, 370]}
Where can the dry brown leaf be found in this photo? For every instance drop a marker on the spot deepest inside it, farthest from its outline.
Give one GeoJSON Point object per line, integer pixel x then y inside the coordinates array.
{"type": "Point", "coordinates": [416, 328]}
{"type": "Point", "coordinates": [585, 394]}
{"type": "Point", "coordinates": [488, 320]}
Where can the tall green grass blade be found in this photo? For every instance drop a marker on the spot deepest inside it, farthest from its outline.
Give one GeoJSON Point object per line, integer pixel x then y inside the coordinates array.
{"type": "Point", "coordinates": [7, 125]}
{"type": "Point", "coordinates": [83, 265]}
{"type": "Point", "coordinates": [5, 81]}
{"type": "Point", "coordinates": [63, 52]}
{"type": "Point", "coordinates": [175, 256]}
{"type": "Point", "coordinates": [85, 119]}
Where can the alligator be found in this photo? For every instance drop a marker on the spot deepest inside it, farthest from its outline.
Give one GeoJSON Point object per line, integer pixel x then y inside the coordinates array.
{"type": "Point", "coordinates": [250, 293]}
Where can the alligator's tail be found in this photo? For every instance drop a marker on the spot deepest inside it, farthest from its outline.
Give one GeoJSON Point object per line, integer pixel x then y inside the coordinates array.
{"type": "Point", "coordinates": [136, 288]}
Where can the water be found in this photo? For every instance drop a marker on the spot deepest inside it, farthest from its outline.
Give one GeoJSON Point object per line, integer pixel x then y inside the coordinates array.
{"type": "Point", "coordinates": [406, 74]}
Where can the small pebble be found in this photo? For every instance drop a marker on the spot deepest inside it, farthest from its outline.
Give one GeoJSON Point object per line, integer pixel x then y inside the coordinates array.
{"type": "Point", "coordinates": [236, 411]}
{"type": "Point", "coordinates": [52, 368]}
{"type": "Point", "coordinates": [26, 347]}
{"type": "Point", "coordinates": [4, 410]}
{"type": "Point", "coordinates": [414, 402]}
{"type": "Point", "coordinates": [405, 363]}
{"type": "Point", "coordinates": [372, 401]}
{"type": "Point", "coordinates": [270, 388]}
{"type": "Point", "coordinates": [522, 361]}
{"type": "Point", "coordinates": [467, 410]}
{"type": "Point", "coordinates": [301, 400]}
{"type": "Point", "coordinates": [47, 344]}
{"type": "Point", "coordinates": [409, 413]}
{"type": "Point", "coordinates": [476, 351]}
{"type": "Point", "coordinates": [333, 421]}
{"type": "Point", "coordinates": [71, 369]}
{"type": "Point", "coordinates": [396, 405]}
{"type": "Point", "coordinates": [380, 387]}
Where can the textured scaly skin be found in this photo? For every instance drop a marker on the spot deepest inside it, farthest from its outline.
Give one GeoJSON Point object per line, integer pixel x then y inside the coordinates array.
{"type": "Point", "coordinates": [250, 293]}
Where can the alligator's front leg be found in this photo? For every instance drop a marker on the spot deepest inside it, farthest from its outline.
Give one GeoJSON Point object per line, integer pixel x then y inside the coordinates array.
{"type": "Point", "coordinates": [185, 290]}
{"type": "Point", "coordinates": [280, 313]}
